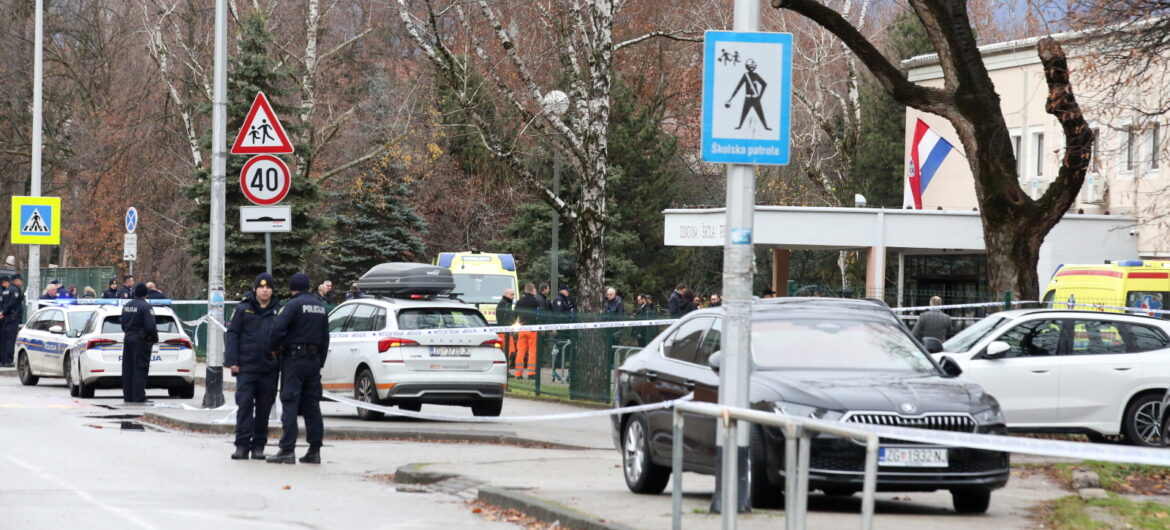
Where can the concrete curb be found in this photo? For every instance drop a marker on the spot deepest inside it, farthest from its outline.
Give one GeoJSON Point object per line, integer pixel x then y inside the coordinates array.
{"type": "Point", "coordinates": [350, 433]}
{"type": "Point", "coordinates": [540, 509]}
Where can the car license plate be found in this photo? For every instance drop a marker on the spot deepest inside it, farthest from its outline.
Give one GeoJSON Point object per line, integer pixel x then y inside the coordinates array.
{"type": "Point", "coordinates": [449, 351]}
{"type": "Point", "coordinates": [912, 457]}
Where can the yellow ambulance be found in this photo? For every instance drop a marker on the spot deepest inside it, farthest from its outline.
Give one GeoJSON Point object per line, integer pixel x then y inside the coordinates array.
{"type": "Point", "coordinates": [480, 278]}
{"type": "Point", "coordinates": [1142, 284]}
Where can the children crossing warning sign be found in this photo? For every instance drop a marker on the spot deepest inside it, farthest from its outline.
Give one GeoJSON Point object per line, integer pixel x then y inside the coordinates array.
{"type": "Point", "coordinates": [262, 133]}
{"type": "Point", "coordinates": [36, 220]}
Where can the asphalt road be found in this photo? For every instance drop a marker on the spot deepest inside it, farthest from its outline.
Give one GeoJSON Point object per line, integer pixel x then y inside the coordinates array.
{"type": "Point", "coordinates": [68, 463]}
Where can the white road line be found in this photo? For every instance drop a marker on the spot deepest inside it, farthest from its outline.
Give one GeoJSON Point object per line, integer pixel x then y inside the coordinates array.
{"type": "Point", "coordinates": [84, 495]}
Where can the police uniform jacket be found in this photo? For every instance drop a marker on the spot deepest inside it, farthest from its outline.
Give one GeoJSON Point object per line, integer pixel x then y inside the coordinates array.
{"type": "Point", "coordinates": [303, 320]}
{"type": "Point", "coordinates": [248, 342]}
{"type": "Point", "coordinates": [138, 321]}
{"type": "Point", "coordinates": [563, 304]}
{"type": "Point", "coordinates": [125, 292]}
{"type": "Point", "coordinates": [3, 300]}
{"type": "Point", "coordinates": [14, 309]}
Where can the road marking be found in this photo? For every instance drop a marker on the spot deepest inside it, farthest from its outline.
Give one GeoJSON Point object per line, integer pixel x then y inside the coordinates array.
{"type": "Point", "coordinates": [85, 496]}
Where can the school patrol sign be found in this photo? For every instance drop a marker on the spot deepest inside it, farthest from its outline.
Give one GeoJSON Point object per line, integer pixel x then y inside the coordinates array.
{"type": "Point", "coordinates": [747, 89]}
{"type": "Point", "coordinates": [36, 220]}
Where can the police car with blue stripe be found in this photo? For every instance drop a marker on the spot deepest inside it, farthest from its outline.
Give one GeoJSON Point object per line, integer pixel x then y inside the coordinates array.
{"type": "Point", "coordinates": [81, 341]}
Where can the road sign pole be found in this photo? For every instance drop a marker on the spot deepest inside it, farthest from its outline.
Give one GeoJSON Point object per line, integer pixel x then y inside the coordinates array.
{"type": "Point", "coordinates": [213, 395]}
{"type": "Point", "coordinates": [738, 262]}
{"type": "Point", "coordinates": [33, 289]}
{"type": "Point", "coordinates": [268, 252]}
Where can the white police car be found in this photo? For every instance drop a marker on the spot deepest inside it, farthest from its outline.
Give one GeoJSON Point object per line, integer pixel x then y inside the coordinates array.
{"type": "Point", "coordinates": [87, 352]}
{"type": "Point", "coordinates": [377, 353]}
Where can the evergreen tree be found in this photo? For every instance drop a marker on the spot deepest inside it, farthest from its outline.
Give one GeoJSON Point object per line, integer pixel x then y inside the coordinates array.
{"type": "Point", "coordinates": [252, 70]}
{"type": "Point", "coordinates": [371, 224]}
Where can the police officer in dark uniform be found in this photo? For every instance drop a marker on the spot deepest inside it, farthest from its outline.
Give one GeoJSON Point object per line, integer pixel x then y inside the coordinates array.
{"type": "Point", "coordinates": [13, 314]}
{"type": "Point", "coordinates": [4, 338]}
{"type": "Point", "coordinates": [126, 291]}
{"type": "Point", "coordinates": [300, 335]}
{"type": "Point", "coordinates": [141, 334]}
{"type": "Point", "coordinates": [249, 357]}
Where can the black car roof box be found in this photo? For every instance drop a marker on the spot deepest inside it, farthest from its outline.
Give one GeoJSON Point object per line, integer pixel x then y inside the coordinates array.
{"type": "Point", "coordinates": [404, 279]}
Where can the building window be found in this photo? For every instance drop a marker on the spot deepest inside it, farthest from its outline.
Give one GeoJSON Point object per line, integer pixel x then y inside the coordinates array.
{"type": "Point", "coordinates": [1130, 153]}
{"type": "Point", "coordinates": [1154, 143]}
{"type": "Point", "coordinates": [1038, 146]}
{"type": "Point", "coordinates": [1095, 162]}
{"type": "Point", "coordinates": [1017, 145]}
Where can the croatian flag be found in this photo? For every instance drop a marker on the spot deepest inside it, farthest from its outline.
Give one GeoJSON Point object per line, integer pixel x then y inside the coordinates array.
{"type": "Point", "coordinates": [926, 154]}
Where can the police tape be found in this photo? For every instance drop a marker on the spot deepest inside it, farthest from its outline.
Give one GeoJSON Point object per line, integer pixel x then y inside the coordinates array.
{"type": "Point", "coordinates": [1016, 444]}
{"type": "Point", "coordinates": [503, 419]}
{"type": "Point", "coordinates": [537, 327]}
{"type": "Point", "coordinates": [961, 306]}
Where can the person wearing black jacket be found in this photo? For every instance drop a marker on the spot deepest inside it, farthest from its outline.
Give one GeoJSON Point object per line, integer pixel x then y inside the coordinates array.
{"type": "Point", "coordinates": [126, 291]}
{"type": "Point", "coordinates": [112, 290]}
{"type": "Point", "coordinates": [140, 336]}
{"type": "Point", "coordinates": [13, 311]}
{"type": "Point", "coordinates": [677, 305]}
{"type": "Point", "coordinates": [301, 336]}
{"type": "Point", "coordinates": [249, 357]}
{"type": "Point", "coordinates": [527, 310]}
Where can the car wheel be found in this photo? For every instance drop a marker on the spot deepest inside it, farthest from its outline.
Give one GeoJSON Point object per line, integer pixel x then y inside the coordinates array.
{"type": "Point", "coordinates": [186, 391]}
{"type": "Point", "coordinates": [86, 391]}
{"type": "Point", "coordinates": [1142, 421]}
{"type": "Point", "coordinates": [642, 475]}
{"type": "Point", "coordinates": [488, 408]}
{"type": "Point", "coordinates": [364, 389]}
{"type": "Point", "coordinates": [971, 501]}
{"type": "Point", "coordinates": [67, 368]}
{"type": "Point", "coordinates": [764, 493]}
{"type": "Point", "coordinates": [24, 370]}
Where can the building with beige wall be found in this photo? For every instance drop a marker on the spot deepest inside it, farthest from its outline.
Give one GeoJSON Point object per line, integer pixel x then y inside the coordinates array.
{"type": "Point", "coordinates": [1129, 174]}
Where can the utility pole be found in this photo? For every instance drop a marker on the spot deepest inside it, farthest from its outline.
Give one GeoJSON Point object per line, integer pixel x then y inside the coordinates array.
{"type": "Point", "coordinates": [213, 395]}
{"type": "Point", "coordinates": [33, 289]}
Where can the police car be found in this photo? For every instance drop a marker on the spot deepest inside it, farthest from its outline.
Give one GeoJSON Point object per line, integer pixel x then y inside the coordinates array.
{"type": "Point", "coordinates": [379, 352]}
{"type": "Point", "coordinates": [83, 344]}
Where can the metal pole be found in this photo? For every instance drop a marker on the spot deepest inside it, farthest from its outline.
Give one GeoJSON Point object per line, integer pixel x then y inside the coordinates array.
{"type": "Point", "coordinates": [268, 252]}
{"type": "Point", "coordinates": [213, 397]}
{"type": "Point", "coordinates": [728, 520]}
{"type": "Point", "coordinates": [33, 289]}
{"type": "Point", "coordinates": [791, 435]}
{"type": "Point", "coordinates": [738, 266]}
{"type": "Point", "coordinates": [676, 471]}
{"type": "Point", "coordinates": [802, 463]}
{"type": "Point", "coordinates": [870, 481]}
{"type": "Point", "coordinates": [555, 256]}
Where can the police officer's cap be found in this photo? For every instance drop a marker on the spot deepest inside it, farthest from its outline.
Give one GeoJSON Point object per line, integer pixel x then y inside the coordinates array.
{"type": "Point", "coordinates": [3, 277]}
{"type": "Point", "coordinates": [264, 280]}
{"type": "Point", "coordinates": [16, 277]}
{"type": "Point", "coordinates": [299, 282]}
{"type": "Point", "coordinates": [140, 290]}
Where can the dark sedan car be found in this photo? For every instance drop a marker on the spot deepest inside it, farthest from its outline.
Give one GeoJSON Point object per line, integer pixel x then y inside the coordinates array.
{"type": "Point", "coordinates": [846, 360]}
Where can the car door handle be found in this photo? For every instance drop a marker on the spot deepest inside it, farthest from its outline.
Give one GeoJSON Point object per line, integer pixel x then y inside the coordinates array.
{"type": "Point", "coordinates": [651, 375]}
{"type": "Point", "coordinates": [1039, 371]}
{"type": "Point", "coordinates": [1122, 368]}
{"type": "Point", "coordinates": [689, 384]}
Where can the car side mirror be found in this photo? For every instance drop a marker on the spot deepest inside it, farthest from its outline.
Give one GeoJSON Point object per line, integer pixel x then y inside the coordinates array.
{"type": "Point", "coordinates": [996, 350]}
{"type": "Point", "coordinates": [73, 333]}
{"type": "Point", "coordinates": [950, 367]}
{"type": "Point", "coordinates": [933, 345]}
{"type": "Point", "coordinates": [715, 360]}
{"type": "Point", "coordinates": [56, 329]}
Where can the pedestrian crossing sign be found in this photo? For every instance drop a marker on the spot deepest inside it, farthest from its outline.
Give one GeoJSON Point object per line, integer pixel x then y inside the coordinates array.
{"type": "Point", "coordinates": [36, 220]}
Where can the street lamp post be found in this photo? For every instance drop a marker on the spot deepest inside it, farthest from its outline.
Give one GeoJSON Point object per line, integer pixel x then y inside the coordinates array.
{"type": "Point", "coordinates": [558, 103]}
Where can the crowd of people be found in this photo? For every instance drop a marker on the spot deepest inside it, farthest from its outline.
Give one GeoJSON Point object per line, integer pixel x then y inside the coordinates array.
{"type": "Point", "coordinates": [55, 290]}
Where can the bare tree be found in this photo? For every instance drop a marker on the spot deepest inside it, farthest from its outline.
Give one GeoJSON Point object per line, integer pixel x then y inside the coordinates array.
{"type": "Point", "coordinates": [1014, 225]}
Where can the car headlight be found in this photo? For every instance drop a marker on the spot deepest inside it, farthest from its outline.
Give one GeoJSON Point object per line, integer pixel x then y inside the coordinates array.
{"type": "Point", "coordinates": [797, 410]}
{"type": "Point", "coordinates": [991, 416]}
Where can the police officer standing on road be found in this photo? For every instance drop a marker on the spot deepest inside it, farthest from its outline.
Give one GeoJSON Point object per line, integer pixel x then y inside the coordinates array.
{"type": "Point", "coordinates": [13, 315]}
{"type": "Point", "coordinates": [249, 357]}
{"type": "Point", "coordinates": [126, 291]}
{"type": "Point", "coordinates": [4, 338]}
{"type": "Point", "coordinates": [141, 334]}
{"type": "Point", "coordinates": [300, 335]}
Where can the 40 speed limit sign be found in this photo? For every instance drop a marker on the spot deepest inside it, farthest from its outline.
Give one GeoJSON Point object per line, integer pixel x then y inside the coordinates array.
{"type": "Point", "coordinates": [265, 180]}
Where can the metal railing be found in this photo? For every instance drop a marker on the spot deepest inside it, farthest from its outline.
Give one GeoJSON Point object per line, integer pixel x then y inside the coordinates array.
{"type": "Point", "coordinates": [797, 456]}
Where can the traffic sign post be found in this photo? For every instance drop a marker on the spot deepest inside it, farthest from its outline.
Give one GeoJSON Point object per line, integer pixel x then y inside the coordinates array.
{"type": "Point", "coordinates": [266, 219]}
{"type": "Point", "coordinates": [36, 220]}
{"type": "Point", "coordinates": [746, 96]}
{"type": "Point", "coordinates": [130, 249]}
{"type": "Point", "coordinates": [265, 180]}
{"type": "Point", "coordinates": [262, 132]}
{"type": "Point", "coordinates": [131, 220]}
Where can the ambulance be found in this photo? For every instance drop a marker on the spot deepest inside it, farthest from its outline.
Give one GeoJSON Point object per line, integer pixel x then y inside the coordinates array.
{"type": "Point", "coordinates": [1142, 284]}
{"type": "Point", "coordinates": [480, 278]}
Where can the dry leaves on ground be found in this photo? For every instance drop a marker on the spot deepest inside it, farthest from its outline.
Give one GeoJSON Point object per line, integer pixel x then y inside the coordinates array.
{"type": "Point", "coordinates": [491, 512]}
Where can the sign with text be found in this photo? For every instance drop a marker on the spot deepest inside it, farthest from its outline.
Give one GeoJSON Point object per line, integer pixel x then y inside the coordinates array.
{"type": "Point", "coordinates": [265, 180]}
{"type": "Point", "coordinates": [747, 88]}
{"type": "Point", "coordinates": [130, 247]}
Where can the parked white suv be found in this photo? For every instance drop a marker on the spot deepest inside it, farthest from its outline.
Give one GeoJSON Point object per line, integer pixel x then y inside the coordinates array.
{"type": "Point", "coordinates": [367, 356]}
{"type": "Point", "coordinates": [1084, 372]}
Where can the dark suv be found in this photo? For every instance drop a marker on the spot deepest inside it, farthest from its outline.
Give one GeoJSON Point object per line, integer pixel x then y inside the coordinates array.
{"type": "Point", "coordinates": [833, 359]}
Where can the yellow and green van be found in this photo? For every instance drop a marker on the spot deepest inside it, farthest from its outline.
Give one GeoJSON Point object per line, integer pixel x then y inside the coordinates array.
{"type": "Point", "coordinates": [480, 278]}
{"type": "Point", "coordinates": [1142, 284]}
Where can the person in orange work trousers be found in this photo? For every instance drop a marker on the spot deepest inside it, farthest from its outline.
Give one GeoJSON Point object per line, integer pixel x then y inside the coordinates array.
{"type": "Point", "coordinates": [506, 317]}
{"type": "Point", "coordinates": [527, 308]}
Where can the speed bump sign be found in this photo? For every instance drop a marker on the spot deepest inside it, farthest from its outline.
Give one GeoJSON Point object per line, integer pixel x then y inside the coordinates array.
{"type": "Point", "coordinates": [36, 220]}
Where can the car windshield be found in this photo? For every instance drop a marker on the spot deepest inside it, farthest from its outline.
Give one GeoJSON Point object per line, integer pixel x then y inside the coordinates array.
{"type": "Point", "coordinates": [164, 323]}
{"type": "Point", "coordinates": [818, 344]}
{"type": "Point", "coordinates": [482, 288]}
{"type": "Point", "coordinates": [77, 319]}
{"type": "Point", "coordinates": [440, 317]}
{"type": "Point", "coordinates": [967, 338]}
